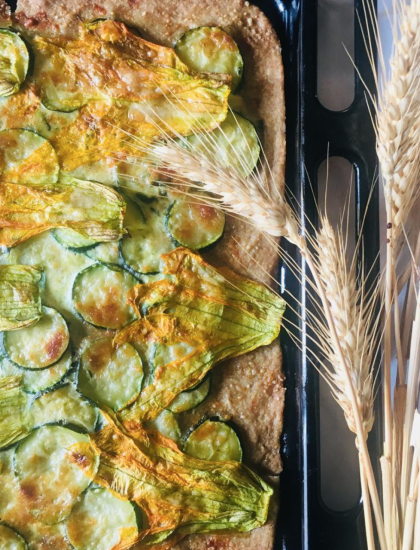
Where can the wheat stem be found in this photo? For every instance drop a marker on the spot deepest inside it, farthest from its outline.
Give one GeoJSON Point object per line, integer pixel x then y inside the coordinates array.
{"type": "Point", "coordinates": [411, 505]}
{"type": "Point", "coordinates": [411, 403]}
{"type": "Point", "coordinates": [397, 334]}
{"type": "Point", "coordinates": [367, 509]}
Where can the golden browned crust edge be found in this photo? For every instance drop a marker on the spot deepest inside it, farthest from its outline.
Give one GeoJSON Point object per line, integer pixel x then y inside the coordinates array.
{"type": "Point", "coordinates": [249, 389]}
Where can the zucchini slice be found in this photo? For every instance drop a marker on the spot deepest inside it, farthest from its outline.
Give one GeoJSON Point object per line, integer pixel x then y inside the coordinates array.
{"type": "Point", "coordinates": [27, 157]}
{"type": "Point", "coordinates": [11, 539]}
{"type": "Point", "coordinates": [49, 482]}
{"type": "Point", "coordinates": [59, 91]}
{"type": "Point", "coordinates": [166, 424]}
{"type": "Point", "coordinates": [109, 375]}
{"type": "Point", "coordinates": [147, 351]}
{"type": "Point", "coordinates": [71, 239]}
{"type": "Point", "coordinates": [38, 346]}
{"type": "Point", "coordinates": [194, 225]}
{"type": "Point", "coordinates": [189, 399]}
{"type": "Point", "coordinates": [99, 296]}
{"type": "Point", "coordinates": [147, 237]}
{"type": "Point", "coordinates": [97, 518]}
{"type": "Point", "coordinates": [14, 62]}
{"type": "Point", "coordinates": [214, 440]}
{"type": "Point", "coordinates": [38, 381]}
{"type": "Point", "coordinates": [105, 253]}
{"type": "Point", "coordinates": [211, 50]}
{"type": "Point", "coordinates": [65, 405]}
{"type": "Point", "coordinates": [235, 143]}
{"type": "Point", "coordinates": [99, 172]}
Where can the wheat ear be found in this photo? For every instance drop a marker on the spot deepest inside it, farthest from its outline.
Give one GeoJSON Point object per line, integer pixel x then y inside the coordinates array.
{"type": "Point", "coordinates": [236, 194]}
{"type": "Point", "coordinates": [352, 318]}
{"type": "Point", "coordinates": [398, 149]}
{"type": "Point", "coordinates": [398, 119]}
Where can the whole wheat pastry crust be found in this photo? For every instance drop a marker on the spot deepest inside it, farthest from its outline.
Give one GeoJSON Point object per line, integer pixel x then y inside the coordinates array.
{"type": "Point", "coordinates": [248, 390]}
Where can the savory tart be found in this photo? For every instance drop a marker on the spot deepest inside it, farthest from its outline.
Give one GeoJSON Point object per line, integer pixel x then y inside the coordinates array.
{"type": "Point", "coordinates": [141, 394]}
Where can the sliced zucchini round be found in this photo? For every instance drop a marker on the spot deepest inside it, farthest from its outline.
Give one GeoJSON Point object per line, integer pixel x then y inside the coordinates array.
{"type": "Point", "coordinates": [234, 143]}
{"type": "Point", "coordinates": [60, 90]}
{"type": "Point", "coordinates": [189, 399]}
{"type": "Point", "coordinates": [109, 375]}
{"type": "Point", "coordinates": [166, 424]}
{"type": "Point", "coordinates": [146, 350]}
{"type": "Point", "coordinates": [11, 539]}
{"type": "Point", "coordinates": [37, 381]}
{"type": "Point", "coordinates": [147, 237]}
{"type": "Point", "coordinates": [98, 171]}
{"type": "Point", "coordinates": [38, 346]}
{"type": "Point", "coordinates": [211, 50]}
{"type": "Point", "coordinates": [105, 253]}
{"type": "Point", "coordinates": [49, 482]}
{"type": "Point", "coordinates": [100, 296]}
{"type": "Point", "coordinates": [96, 521]}
{"type": "Point", "coordinates": [27, 157]}
{"type": "Point", "coordinates": [194, 225]}
{"type": "Point", "coordinates": [14, 62]}
{"type": "Point", "coordinates": [65, 405]}
{"type": "Point", "coordinates": [71, 239]}
{"type": "Point", "coordinates": [214, 440]}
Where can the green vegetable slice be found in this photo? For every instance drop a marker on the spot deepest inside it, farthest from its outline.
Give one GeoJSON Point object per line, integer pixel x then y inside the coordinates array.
{"type": "Point", "coordinates": [20, 297]}
{"type": "Point", "coordinates": [195, 225]}
{"type": "Point", "coordinates": [27, 157]}
{"type": "Point", "coordinates": [38, 346]}
{"type": "Point", "coordinates": [166, 424]}
{"type": "Point", "coordinates": [105, 253]}
{"type": "Point", "coordinates": [214, 440]}
{"type": "Point", "coordinates": [37, 381]}
{"type": "Point", "coordinates": [234, 143]}
{"type": "Point", "coordinates": [110, 376]}
{"type": "Point", "coordinates": [99, 296]}
{"type": "Point", "coordinates": [99, 521]}
{"type": "Point", "coordinates": [147, 237]}
{"type": "Point", "coordinates": [72, 239]}
{"type": "Point", "coordinates": [11, 539]}
{"type": "Point", "coordinates": [14, 62]}
{"type": "Point", "coordinates": [99, 171]}
{"type": "Point", "coordinates": [189, 399]}
{"type": "Point", "coordinates": [49, 483]}
{"type": "Point", "coordinates": [65, 405]}
{"type": "Point", "coordinates": [211, 50]}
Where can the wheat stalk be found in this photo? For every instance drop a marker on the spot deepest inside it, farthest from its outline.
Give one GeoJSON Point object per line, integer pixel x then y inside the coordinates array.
{"type": "Point", "coordinates": [398, 148]}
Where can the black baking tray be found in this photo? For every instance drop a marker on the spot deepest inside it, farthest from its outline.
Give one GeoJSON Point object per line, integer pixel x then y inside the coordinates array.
{"type": "Point", "coordinates": [304, 522]}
